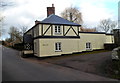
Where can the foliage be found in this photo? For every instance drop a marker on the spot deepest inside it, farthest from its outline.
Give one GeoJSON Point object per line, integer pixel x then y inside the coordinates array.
{"type": "Point", "coordinates": [115, 66]}
{"type": "Point", "coordinates": [16, 35]}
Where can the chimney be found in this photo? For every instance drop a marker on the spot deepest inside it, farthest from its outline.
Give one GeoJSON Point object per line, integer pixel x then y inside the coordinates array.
{"type": "Point", "coordinates": [36, 22]}
{"type": "Point", "coordinates": [50, 10]}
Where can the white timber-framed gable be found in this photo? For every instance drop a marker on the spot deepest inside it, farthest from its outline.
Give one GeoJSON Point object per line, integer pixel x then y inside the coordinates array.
{"type": "Point", "coordinates": [60, 30]}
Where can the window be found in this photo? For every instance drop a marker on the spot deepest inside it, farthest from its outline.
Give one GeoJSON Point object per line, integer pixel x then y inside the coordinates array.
{"type": "Point", "coordinates": [88, 45]}
{"type": "Point", "coordinates": [57, 29]}
{"type": "Point", "coordinates": [58, 46]}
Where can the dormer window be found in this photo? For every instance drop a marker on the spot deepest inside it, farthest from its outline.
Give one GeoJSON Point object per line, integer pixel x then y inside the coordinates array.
{"type": "Point", "coordinates": [57, 29]}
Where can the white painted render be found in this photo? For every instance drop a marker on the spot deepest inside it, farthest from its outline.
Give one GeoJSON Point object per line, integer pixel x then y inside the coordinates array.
{"type": "Point", "coordinates": [46, 46]}
{"type": "Point", "coordinates": [69, 46]}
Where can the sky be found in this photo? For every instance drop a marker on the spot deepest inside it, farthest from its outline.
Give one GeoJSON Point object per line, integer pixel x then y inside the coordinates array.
{"type": "Point", "coordinates": [25, 12]}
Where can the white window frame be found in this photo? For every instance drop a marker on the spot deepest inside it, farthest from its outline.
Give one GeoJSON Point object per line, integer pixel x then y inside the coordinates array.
{"type": "Point", "coordinates": [57, 29]}
{"type": "Point", "coordinates": [88, 46]}
{"type": "Point", "coordinates": [58, 47]}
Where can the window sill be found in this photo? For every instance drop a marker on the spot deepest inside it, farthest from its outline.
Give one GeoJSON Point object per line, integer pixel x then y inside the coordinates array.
{"type": "Point", "coordinates": [88, 49]}
{"type": "Point", "coordinates": [57, 33]}
{"type": "Point", "coordinates": [58, 50]}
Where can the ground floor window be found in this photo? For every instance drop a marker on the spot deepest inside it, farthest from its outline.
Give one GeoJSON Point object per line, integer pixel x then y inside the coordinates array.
{"type": "Point", "coordinates": [58, 46]}
{"type": "Point", "coordinates": [88, 45]}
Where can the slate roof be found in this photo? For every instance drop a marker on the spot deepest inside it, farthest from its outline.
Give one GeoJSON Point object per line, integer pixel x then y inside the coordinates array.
{"type": "Point", "coordinates": [54, 19]}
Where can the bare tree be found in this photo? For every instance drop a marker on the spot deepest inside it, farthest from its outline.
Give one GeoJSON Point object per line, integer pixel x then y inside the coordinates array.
{"type": "Point", "coordinates": [3, 4]}
{"type": "Point", "coordinates": [15, 35]}
{"type": "Point", "coordinates": [107, 25]}
{"type": "Point", "coordinates": [23, 29]}
{"type": "Point", "coordinates": [72, 14]}
{"type": "Point", "coordinates": [1, 23]}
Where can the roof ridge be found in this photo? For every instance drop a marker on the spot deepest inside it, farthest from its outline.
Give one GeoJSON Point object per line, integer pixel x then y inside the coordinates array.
{"type": "Point", "coordinates": [55, 19]}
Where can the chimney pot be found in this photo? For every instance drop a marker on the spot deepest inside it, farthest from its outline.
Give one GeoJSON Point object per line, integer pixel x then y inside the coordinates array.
{"type": "Point", "coordinates": [52, 5]}
{"type": "Point", "coordinates": [36, 22]}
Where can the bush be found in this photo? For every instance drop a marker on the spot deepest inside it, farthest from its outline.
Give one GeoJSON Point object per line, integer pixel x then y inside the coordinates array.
{"type": "Point", "coordinates": [19, 46]}
{"type": "Point", "coordinates": [110, 46]}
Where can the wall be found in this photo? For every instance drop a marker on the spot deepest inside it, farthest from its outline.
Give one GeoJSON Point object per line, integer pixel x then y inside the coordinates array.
{"type": "Point", "coordinates": [47, 46]}
{"type": "Point", "coordinates": [48, 33]}
{"type": "Point", "coordinates": [36, 47]}
{"type": "Point", "coordinates": [96, 40]}
{"type": "Point", "coordinates": [36, 31]}
{"type": "Point", "coordinates": [71, 32]}
{"type": "Point", "coordinates": [109, 39]}
{"type": "Point", "coordinates": [29, 32]}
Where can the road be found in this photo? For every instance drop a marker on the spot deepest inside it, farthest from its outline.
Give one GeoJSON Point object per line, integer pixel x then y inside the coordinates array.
{"type": "Point", "coordinates": [15, 68]}
{"type": "Point", "coordinates": [0, 63]}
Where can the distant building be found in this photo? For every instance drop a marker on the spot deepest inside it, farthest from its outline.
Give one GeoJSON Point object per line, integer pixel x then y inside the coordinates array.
{"type": "Point", "coordinates": [55, 36]}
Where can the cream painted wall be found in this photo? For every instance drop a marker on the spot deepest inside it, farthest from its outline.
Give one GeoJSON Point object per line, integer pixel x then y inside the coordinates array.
{"type": "Point", "coordinates": [109, 39]}
{"type": "Point", "coordinates": [47, 46]}
{"type": "Point", "coordinates": [97, 41]}
{"type": "Point", "coordinates": [39, 29]}
{"type": "Point", "coordinates": [36, 47]}
{"type": "Point", "coordinates": [45, 28]}
{"type": "Point", "coordinates": [29, 32]}
{"type": "Point", "coordinates": [36, 31]}
{"type": "Point", "coordinates": [71, 32]}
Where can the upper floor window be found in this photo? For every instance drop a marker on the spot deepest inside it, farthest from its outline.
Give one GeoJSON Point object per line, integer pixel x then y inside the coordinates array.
{"type": "Point", "coordinates": [57, 29]}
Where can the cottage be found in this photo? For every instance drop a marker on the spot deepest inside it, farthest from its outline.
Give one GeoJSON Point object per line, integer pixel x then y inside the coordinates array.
{"type": "Point", "coordinates": [55, 36]}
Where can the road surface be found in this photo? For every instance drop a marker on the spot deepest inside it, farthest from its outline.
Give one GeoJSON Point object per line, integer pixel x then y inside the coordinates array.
{"type": "Point", "coordinates": [0, 63]}
{"type": "Point", "coordinates": [15, 68]}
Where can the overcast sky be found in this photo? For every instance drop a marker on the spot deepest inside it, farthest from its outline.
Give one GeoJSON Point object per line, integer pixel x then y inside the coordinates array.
{"type": "Point", "coordinates": [25, 12]}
